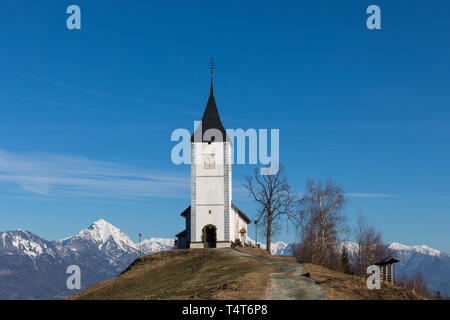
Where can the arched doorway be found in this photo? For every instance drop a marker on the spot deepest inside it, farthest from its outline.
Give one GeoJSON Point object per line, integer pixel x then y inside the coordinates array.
{"type": "Point", "coordinates": [209, 233]}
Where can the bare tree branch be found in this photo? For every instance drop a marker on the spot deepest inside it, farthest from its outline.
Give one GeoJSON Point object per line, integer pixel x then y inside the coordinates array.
{"type": "Point", "coordinates": [321, 221]}
{"type": "Point", "coordinates": [275, 201]}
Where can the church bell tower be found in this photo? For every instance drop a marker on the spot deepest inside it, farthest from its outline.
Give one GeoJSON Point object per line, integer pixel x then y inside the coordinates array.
{"type": "Point", "coordinates": [211, 203]}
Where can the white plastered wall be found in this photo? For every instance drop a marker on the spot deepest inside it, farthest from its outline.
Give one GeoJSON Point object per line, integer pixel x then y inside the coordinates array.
{"type": "Point", "coordinates": [210, 188]}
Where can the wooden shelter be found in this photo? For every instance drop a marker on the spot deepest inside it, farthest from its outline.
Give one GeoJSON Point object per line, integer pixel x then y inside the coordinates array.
{"type": "Point", "coordinates": [387, 268]}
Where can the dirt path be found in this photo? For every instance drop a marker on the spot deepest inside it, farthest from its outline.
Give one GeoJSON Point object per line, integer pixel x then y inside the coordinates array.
{"type": "Point", "coordinates": [287, 283]}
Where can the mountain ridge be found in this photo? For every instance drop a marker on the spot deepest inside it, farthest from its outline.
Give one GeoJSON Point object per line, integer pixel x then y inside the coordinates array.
{"type": "Point", "coordinates": [37, 267]}
{"type": "Point", "coordinates": [432, 263]}
{"type": "Point", "coordinates": [34, 268]}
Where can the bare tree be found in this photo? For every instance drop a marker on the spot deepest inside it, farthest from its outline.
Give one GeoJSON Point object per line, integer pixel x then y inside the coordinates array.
{"type": "Point", "coordinates": [321, 221]}
{"type": "Point", "coordinates": [360, 231]}
{"type": "Point", "coordinates": [416, 283]}
{"type": "Point", "coordinates": [370, 245]}
{"type": "Point", "coordinates": [275, 201]}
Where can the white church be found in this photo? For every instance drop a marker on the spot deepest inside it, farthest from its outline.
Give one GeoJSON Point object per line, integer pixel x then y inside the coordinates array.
{"type": "Point", "coordinates": [212, 219]}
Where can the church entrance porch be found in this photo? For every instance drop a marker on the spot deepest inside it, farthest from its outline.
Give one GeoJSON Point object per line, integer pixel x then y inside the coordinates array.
{"type": "Point", "coordinates": [209, 235]}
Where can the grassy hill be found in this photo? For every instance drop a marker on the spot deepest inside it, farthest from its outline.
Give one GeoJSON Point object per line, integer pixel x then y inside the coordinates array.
{"type": "Point", "coordinates": [186, 274]}
{"type": "Point", "coordinates": [214, 274]}
{"type": "Point", "coordinates": [340, 286]}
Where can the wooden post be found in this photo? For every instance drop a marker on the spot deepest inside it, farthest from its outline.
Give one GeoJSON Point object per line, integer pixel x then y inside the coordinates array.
{"type": "Point", "coordinates": [392, 273]}
{"type": "Point", "coordinates": [383, 273]}
{"type": "Point", "coordinates": [387, 268]}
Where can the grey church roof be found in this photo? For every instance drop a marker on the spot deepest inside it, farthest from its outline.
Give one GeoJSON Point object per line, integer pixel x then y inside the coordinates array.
{"type": "Point", "coordinates": [243, 215]}
{"type": "Point", "coordinates": [210, 120]}
{"type": "Point", "coordinates": [187, 211]}
{"type": "Point", "coordinates": [181, 234]}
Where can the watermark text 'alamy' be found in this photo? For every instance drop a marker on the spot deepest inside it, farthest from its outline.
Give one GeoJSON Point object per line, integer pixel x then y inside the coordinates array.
{"type": "Point", "coordinates": [257, 141]}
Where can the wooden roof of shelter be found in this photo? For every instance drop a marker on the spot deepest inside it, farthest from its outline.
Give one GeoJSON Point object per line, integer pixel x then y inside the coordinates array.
{"type": "Point", "coordinates": [387, 260]}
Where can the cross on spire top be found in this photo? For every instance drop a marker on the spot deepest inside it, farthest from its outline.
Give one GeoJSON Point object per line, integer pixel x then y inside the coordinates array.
{"type": "Point", "coordinates": [212, 65]}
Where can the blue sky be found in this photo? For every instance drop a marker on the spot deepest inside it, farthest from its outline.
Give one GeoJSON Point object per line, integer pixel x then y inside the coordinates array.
{"type": "Point", "coordinates": [86, 116]}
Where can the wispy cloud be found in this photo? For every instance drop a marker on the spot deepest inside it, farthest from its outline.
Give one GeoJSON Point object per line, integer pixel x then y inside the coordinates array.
{"type": "Point", "coordinates": [51, 103]}
{"type": "Point", "coordinates": [152, 104]}
{"type": "Point", "coordinates": [55, 175]}
{"type": "Point", "coordinates": [370, 195]}
{"type": "Point", "coordinates": [82, 89]}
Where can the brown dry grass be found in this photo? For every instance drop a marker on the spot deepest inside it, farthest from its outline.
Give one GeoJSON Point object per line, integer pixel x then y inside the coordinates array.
{"type": "Point", "coordinates": [265, 253]}
{"type": "Point", "coordinates": [340, 286]}
{"type": "Point", "coordinates": [185, 274]}
{"type": "Point", "coordinates": [211, 274]}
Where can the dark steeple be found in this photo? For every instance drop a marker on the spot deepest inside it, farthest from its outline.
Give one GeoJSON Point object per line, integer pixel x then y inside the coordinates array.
{"type": "Point", "coordinates": [211, 118]}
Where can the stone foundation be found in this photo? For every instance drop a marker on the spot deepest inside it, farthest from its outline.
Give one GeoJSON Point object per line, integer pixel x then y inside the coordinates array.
{"type": "Point", "coordinates": [201, 245]}
{"type": "Point", "coordinates": [224, 244]}
{"type": "Point", "coordinates": [197, 245]}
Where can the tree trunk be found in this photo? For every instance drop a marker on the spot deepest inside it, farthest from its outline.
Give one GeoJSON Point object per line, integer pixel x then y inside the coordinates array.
{"type": "Point", "coordinates": [269, 234]}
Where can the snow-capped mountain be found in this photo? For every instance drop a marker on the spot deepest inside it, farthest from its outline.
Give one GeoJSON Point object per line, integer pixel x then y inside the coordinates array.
{"type": "Point", "coordinates": [434, 265]}
{"type": "Point", "coordinates": [104, 240]}
{"type": "Point", "coordinates": [281, 248]}
{"type": "Point", "coordinates": [422, 249]}
{"type": "Point", "coordinates": [156, 244]}
{"type": "Point", "coordinates": [34, 268]}
{"type": "Point", "coordinates": [104, 234]}
{"type": "Point", "coordinates": [278, 248]}
{"type": "Point", "coordinates": [26, 243]}
{"type": "Point", "coordinates": [352, 248]}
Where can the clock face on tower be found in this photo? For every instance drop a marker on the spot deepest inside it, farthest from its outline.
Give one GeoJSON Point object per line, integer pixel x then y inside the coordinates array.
{"type": "Point", "coordinates": [209, 162]}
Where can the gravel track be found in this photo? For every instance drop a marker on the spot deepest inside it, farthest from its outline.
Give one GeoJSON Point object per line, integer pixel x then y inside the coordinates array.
{"type": "Point", "coordinates": [287, 282]}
